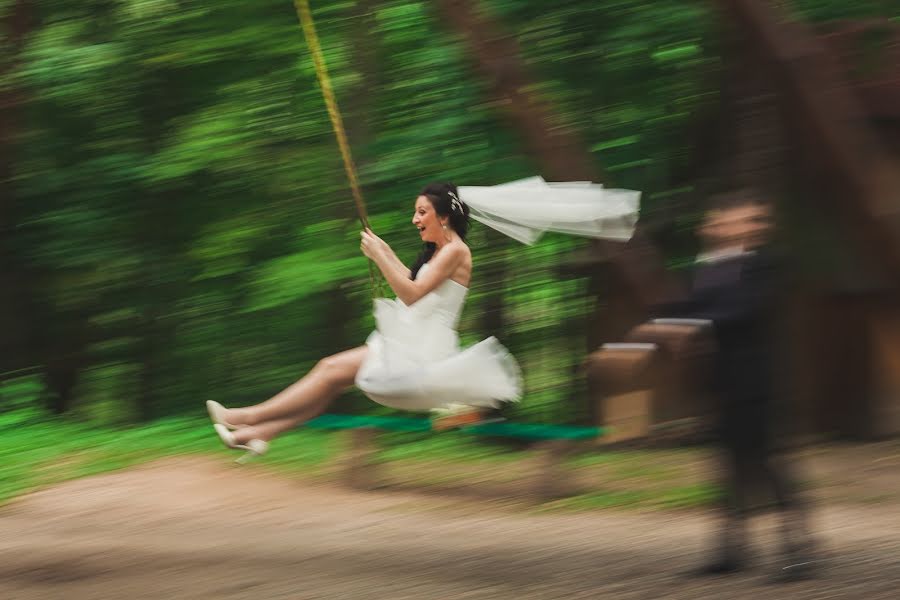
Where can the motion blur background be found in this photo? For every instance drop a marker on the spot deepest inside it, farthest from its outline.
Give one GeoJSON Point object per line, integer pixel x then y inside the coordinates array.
{"type": "Point", "coordinates": [177, 224]}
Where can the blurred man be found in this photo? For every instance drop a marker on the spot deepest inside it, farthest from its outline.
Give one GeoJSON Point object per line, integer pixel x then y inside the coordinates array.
{"type": "Point", "coordinates": [734, 290]}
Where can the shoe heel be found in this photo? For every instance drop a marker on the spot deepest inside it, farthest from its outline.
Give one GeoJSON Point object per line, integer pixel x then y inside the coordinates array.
{"type": "Point", "coordinates": [254, 449]}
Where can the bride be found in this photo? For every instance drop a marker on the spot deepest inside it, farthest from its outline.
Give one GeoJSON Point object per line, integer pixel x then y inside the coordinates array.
{"type": "Point", "coordinates": [412, 361]}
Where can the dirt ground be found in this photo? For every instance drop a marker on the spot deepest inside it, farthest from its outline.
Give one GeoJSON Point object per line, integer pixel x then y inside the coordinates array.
{"type": "Point", "coordinates": [203, 528]}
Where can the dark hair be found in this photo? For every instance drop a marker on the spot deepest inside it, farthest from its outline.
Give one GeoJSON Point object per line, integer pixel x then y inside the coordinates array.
{"type": "Point", "coordinates": [736, 199]}
{"type": "Point", "coordinates": [444, 197]}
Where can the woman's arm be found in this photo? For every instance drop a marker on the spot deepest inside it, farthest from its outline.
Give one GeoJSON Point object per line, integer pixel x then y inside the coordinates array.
{"type": "Point", "coordinates": [441, 267]}
{"type": "Point", "coordinates": [378, 245]}
{"type": "Point", "coordinates": [395, 262]}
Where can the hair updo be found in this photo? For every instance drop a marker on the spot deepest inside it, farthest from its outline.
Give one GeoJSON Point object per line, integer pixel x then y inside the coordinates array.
{"type": "Point", "coordinates": [444, 197]}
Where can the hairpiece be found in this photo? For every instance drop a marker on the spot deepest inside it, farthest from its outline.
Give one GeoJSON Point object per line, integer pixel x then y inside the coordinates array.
{"type": "Point", "coordinates": [455, 203]}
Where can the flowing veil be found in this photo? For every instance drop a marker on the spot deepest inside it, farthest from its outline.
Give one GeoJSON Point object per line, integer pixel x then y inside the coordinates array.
{"type": "Point", "coordinates": [527, 208]}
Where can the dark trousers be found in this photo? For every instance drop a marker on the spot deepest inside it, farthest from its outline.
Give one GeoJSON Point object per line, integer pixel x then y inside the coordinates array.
{"type": "Point", "coordinates": [752, 470]}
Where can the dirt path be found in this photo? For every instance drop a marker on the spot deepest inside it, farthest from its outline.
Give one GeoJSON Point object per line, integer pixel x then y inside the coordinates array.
{"type": "Point", "coordinates": [199, 528]}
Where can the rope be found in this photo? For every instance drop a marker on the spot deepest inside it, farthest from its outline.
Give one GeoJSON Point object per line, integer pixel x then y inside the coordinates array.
{"type": "Point", "coordinates": [337, 123]}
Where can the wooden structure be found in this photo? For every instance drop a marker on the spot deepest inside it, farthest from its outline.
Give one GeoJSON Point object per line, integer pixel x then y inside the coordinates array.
{"type": "Point", "coordinates": [622, 383]}
{"type": "Point", "coordinates": [822, 135]}
{"type": "Point", "coordinates": [835, 155]}
{"type": "Point", "coordinates": [807, 126]}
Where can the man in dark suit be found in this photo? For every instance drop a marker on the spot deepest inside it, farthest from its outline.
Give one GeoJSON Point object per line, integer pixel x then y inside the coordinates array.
{"type": "Point", "coordinates": [735, 292]}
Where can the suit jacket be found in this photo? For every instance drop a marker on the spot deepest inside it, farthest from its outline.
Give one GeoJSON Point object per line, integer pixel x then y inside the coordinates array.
{"type": "Point", "coordinates": [738, 294]}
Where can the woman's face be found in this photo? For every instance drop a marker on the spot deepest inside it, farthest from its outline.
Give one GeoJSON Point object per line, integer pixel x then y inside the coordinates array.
{"type": "Point", "coordinates": [427, 221]}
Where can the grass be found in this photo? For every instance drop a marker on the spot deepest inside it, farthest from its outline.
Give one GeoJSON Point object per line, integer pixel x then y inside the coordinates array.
{"type": "Point", "coordinates": [449, 446]}
{"type": "Point", "coordinates": [38, 451]}
{"type": "Point", "coordinates": [35, 454]}
{"type": "Point", "coordinates": [672, 497]}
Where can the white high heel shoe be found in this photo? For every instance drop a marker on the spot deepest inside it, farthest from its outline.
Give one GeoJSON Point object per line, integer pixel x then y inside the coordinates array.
{"type": "Point", "coordinates": [217, 414]}
{"type": "Point", "coordinates": [253, 447]}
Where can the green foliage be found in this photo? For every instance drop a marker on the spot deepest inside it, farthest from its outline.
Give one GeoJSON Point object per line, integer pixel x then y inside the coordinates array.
{"type": "Point", "coordinates": [41, 452]}
{"type": "Point", "coordinates": [45, 452]}
{"type": "Point", "coordinates": [183, 214]}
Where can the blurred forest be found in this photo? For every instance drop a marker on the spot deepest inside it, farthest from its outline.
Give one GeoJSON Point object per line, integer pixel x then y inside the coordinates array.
{"type": "Point", "coordinates": [177, 225]}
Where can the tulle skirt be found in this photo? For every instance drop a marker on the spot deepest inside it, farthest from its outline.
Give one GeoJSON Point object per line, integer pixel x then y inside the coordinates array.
{"type": "Point", "coordinates": [415, 363]}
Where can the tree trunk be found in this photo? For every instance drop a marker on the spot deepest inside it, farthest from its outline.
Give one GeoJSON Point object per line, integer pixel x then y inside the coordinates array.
{"type": "Point", "coordinates": [14, 282]}
{"type": "Point", "coordinates": [33, 334]}
{"type": "Point", "coordinates": [834, 148]}
{"type": "Point", "coordinates": [560, 155]}
{"type": "Point", "coordinates": [552, 144]}
{"type": "Point", "coordinates": [493, 319]}
{"type": "Point", "coordinates": [364, 58]}
{"type": "Point", "coordinates": [554, 147]}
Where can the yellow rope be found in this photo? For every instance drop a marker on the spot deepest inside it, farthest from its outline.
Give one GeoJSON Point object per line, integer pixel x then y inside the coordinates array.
{"type": "Point", "coordinates": [337, 123]}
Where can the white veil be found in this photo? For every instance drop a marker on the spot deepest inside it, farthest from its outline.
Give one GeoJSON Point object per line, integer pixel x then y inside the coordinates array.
{"type": "Point", "coordinates": [527, 208]}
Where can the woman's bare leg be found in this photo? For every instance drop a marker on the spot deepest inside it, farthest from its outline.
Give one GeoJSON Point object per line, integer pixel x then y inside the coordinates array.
{"type": "Point", "coordinates": [267, 430]}
{"type": "Point", "coordinates": [307, 397]}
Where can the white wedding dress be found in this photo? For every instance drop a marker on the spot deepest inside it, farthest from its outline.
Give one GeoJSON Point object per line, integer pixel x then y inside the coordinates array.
{"type": "Point", "coordinates": [415, 363]}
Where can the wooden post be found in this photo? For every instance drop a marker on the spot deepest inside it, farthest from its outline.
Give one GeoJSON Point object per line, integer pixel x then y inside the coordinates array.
{"type": "Point", "coordinates": [685, 347]}
{"type": "Point", "coordinates": [885, 335]}
{"type": "Point", "coordinates": [627, 416]}
{"type": "Point", "coordinates": [361, 470]}
{"type": "Point", "coordinates": [549, 478]}
{"type": "Point", "coordinates": [622, 389]}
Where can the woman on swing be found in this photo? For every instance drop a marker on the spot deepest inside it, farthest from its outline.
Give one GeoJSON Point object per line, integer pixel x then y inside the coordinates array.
{"type": "Point", "coordinates": [413, 361]}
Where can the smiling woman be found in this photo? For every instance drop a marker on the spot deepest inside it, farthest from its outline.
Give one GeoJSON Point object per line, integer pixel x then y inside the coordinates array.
{"type": "Point", "coordinates": [413, 361]}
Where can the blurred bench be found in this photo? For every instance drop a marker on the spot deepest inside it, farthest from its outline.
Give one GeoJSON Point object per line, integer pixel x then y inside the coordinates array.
{"type": "Point", "coordinates": [648, 383]}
